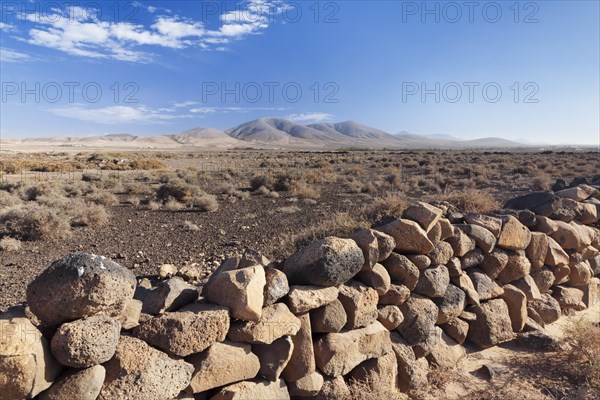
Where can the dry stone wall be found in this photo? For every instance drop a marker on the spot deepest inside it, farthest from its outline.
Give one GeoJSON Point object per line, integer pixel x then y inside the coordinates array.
{"type": "Point", "coordinates": [378, 307]}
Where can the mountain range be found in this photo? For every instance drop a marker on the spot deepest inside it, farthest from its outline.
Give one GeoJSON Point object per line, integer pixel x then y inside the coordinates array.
{"type": "Point", "coordinates": [270, 133]}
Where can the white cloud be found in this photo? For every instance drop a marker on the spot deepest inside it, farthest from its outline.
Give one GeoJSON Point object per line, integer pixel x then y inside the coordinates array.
{"type": "Point", "coordinates": [78, 32]}
{"type": "Point", "coordinates": [315, 116]}
{"type": "Point", "coordinates": [116, 114]}
{"type": "Point", "coordinates": [224, 110]}
{"type": "Point", "coordinates": [9, 55]}
{"type": "Point", "coordinates": [5, 27]}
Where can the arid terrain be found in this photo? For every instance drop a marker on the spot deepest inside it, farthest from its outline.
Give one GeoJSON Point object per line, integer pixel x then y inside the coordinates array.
{"type": "Point", "coordinates": [195, 209]}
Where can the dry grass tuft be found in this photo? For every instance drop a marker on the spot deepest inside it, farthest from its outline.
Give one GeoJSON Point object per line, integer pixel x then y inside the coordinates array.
{"type": "Point", "coordinates": [471, 200]}
{"type": "Point", "coordinates": [10, 244]}
{"type": "Point", "coordinates": [32, 221]}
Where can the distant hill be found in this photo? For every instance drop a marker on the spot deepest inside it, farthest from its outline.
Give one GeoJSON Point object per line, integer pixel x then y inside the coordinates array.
{"type": "Point", "coordinates": [267, 133]}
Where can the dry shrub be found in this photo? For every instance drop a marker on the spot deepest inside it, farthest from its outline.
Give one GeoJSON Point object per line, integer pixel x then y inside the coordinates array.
{"type": "Point", "coordinates": [103, 198]}
{"type": "Point", "coordinates": [471, 200]}
{"type": "Point", "coordinates": [154, 205]}
{"type": "Point", "coordinates": [391, 204]}
{"type": "Point", "coordinates": [89, 215]}
{"type": "Point", "coordinates": [173, 205]}
{"type": "Point", "coordinates": [8, 199]}
{"type": "Point", "coordinates": [206, 202]}
{"type": "Point", "coordinates": [32, 221]}
{"type": "Point", "coordinates": [139, 189]}
{"type": "Point", "coordinates": [583, 337]}
{"type": "Point", "coordinates": [304, 191]}
{"type": "Point", "coordinates": [542, 182]}
{"type": "Point", "coordinates": [266, 192]}
{"type": "Point", "coordinates": [10, 244]}
{"type": "Point", "coordinates": [134, 201]}
{"type": "Point", "coordinates": [259, 181]}
{"type": "Point", "coordinates": [177, 189]}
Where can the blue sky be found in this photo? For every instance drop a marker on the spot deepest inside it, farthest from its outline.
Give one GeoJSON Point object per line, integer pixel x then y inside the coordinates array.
{"type": "Point", "coordinates": [518, 70]}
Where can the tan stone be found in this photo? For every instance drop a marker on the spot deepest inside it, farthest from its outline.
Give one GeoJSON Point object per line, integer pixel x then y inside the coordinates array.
{"type": "Point", "coordinates": [545, 225]}
{"type": "Point", "coordinates": [412, 373]}
{"type": "Point", "coordinates": [442, 253]}
{"type": "Point", "coordinates": [494, 263]}
{"type": "Point", "coordinates": [446, 227]}
{"type": "Point", "coordinates": [517, 267]}
{"type": "Point", "coordinates": [360, 303]}
{"type": "Point", "coordinates": [544, 278]}
{"type": "Point", "coordinates": [367, 241]}
{"type": "Point", "coordinates": [402, 270]}
{"type": "Point", "coordinates": [274, 357]}
{"type": "Point", "coordinates": [486, 288]}
{"type": "Point", "coordinates": [421, 261]}
{"type": "Point", "coordinates": [537, 249]}
{"type": "Point", "coordinates": [191, 330]}
{"type": "Point", "coordinates": [577, 193]}
{"type": "Point", "coordinates": [222, 364]}
{"type": "Point", "coordinates": [396, 296]}
{"type": "Point", "coordinates": [276, 321]}
{"type": "Point", "coordinates": [514, 235]}
{"type": "Point", "coordinates": [568, 236]}
{"type": "Point", "coordinates": [580, 273]}
{"type": "Point", "coordinates": [140, 372]}
{"type": "Point", "coordinates": [420, 316]}
{"type": "Point", "coordinates": [547, 308]}
{"type": "Point", "coordinates": [169, 295]}
{"type": "Point", "coordinates": [385, 243]}
{"type": "Point", "coordinates": [253, 390]}
{"type": "Point", "coordinates": [302, 361]}
{"type": "Point", "coordinates": [376, 374]}
{"type": "Point", "coordinates": [484, 239]}
{"type": "Point", "coordinates": [305, 298]}
{"type": "Point", "coordinates": [457, 329]}
{"type": "Point", "coordinates": [528, 286]}
{"type": "Point", "coordinates": [308, 386]}
{"type": "Point", "coordinates": [80, 384]}
{"type": "Point", "coordinates": [451, 305]}
{"type": "Point", "coordinates": [492, 224]}
{"type": "Point", "coordinates": [425, 214]}
{"type": "Point", "coordinates": [492, 324]}
{"type": "Point", "coordinates": [167, 271]}
{"type": "Point", "coordinates": [465, 283]}
{"type": "Point", "coordinates": [130, 316]}
{"type": "Point", "coordinates": [409, 236]}
{"type": "Point", "coordinates": [276, 286]}
{"type": "Point", "coordinates": [446, 353]}
{"type": "Point", "coordinates": [241, 290]}
{"type": "Point", "coordinates": [516, 301]}
{"type": "Point", "coordinates": [435, 233]}
{"type": "Point", "coordinates": [328, 319]}
{"type": "Point", "coordinates": [568, 297]}
{"type": "Point", "coordinates": [26, 364]}
{"type": "Point", "coordinates": [377, 278]}
{"type": "Point", "coordinates": [390, 316]}
{"type": "Point", "coordinates": [334, 389]}
{"type": "Point", "coordinates": [555, 255]}
{"type": "Point", "coordinates": [461, 243]}
{"type": "Point", "coordinates": [86, 342]}
{"type": "Point", "coordinates": [433, 281]}
{"type": "Point", "coordinates": [337, 354]}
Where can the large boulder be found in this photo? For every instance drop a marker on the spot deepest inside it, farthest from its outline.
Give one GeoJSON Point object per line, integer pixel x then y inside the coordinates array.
{"type": "Point", "coordinates": [80, 384]}
{"type": "Point", "coordinates": [276, 321]}
{"type": "Point", "coordinates": [492, 324]}
{"type": "Point", "coordinates": [302, 360]}
{"type": "Point", "coordinates": [252, 390]}
{"type": "Point", "coordinates": [328, 319]}
{"type": "Point", "coordinates": [543, 278]}
{"type": "Point", "coordinates": [367, 241]}
{"type": "Point", "coordinates": [412, 373]}
{"type": "Point", "coordinates": [555, 256]}
{"type": "Point", "coordinates": [457, 329]}
{"type": "Point", "coordinates": [420, 316]}
{"type": "Point", "coordinates": [537, 249]}
{"type": "Point", "coordinates": [308, 386]}
{"type": "Point", "coordinates": [80, 285]}
{"type": "Point", "coordinates": [486, 288]}
{"type": "Point", "coordinates": [446, 353]}
{"type": "Point", "coordinates": [360, 304]}
{"type": "Point", "coordinates": [464, 283]}
{"type": "Point", "coordinates": [528, 286]}
{"type": "Point", "coordinates": [376, 374]}
{"type": "Point", "coordinates": [433, 281]}
{"type": "Point", "coordinates": [409, 236]}
{"type": "Point", "coordinates": [578, 193]}
{"type": "Point", "coordinates": [140, 372]}
{"type": "Point", "coordinates": [390, 316]}
{"type": "Point", "coordinates": [546, 307]}
{"type": "Point", "coordinates": [385, 243]}
{"type": "Point", "coordinates": [86, 342]}
{"type": "Point", "coordinates": [490, 223]}
{"type": "Point", "coordinates": [402, 270]}
{"type": "Point", "coordinates": [168, 295]}
{"type": "Point", "coordinates": [494, 263]}
{"type": "Point", "coordinates": [451, 305]}
{"type": "Point", "coordinates": [541, 203]}
{"type": "Point", "coordinates": [377, 278]}
{"type": "Point", "coordinates": [442, 253]}
{"type": "Point", "coordinates": [425, 214]}
{"type": "Point", "coordinates": [568, 235]}
{"type": "Point", "coordinates": [569, 297]}
{"type": "Point", "coordinates": [222, 364]}
{"type": "Point", "coordinates": [241, 290]}
{"type": "Point", "coordinates": [305, 298]}
{"type": "Point", "coordinates": [338, 353]}
{"type": "Point", "coordinates": [276, 286]}
{"type": "Point", "coordinates": [517, 306]}
{"type": "Point", "coordinates": [327, 262]}
{"type": "Point", "coordinates": [514, 235]}
{"type": "Point", "coordinates": [484, 239]}
{"type": "Point", "coordinates": [461, 242]}
{"type": "Point", "coordinates": [190, 330]}
{"type": "Point", "coordinates": [397, 295]}
{"type": "Point", "coordinates": [517, 267]}
{"type": "Point", "coordinates": [26, 364]}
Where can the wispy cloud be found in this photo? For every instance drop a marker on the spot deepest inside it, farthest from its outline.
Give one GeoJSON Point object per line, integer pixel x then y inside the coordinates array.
{"type": "Point", "coordinates": [310, 117]}
{"type": "Point", "coordinates": [75, 32]}
{"type": "Point", "coordinates": [9, 55]}
{"type": "Point", "coordinates": [5, 27]}
{"type": "Point", "coordinates": [117, 114]}
{"type": "Point", "coordinates": [213, 110]}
